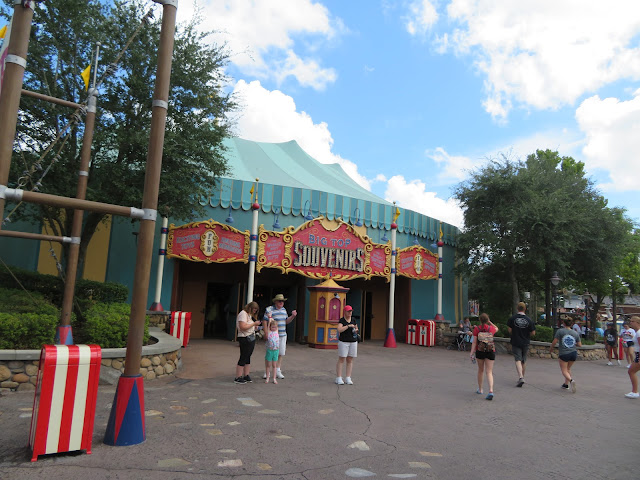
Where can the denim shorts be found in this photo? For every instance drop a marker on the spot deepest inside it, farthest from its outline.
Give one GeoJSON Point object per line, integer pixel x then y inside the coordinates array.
{"type": "Point", "coordinates": [569, 357]}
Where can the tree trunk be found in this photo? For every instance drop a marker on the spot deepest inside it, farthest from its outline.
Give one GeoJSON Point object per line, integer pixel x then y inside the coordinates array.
{"type": "Point", "coordinates": [515, 295]}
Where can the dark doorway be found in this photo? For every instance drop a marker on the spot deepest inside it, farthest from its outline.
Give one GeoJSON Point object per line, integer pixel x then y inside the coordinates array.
{"type": "Point", "coordinates": [368, 315]}
{"type": "Point", "coordinates": [217, 310]}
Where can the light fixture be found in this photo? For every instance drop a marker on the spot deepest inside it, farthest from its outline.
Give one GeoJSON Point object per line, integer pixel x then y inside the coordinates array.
{"type": "Point", "coordinates": [230, 217]}
{"type": "Point", "coordinates": [308, 215]}
{"type": "Point", "coordinates": [384, 236]}
{"type": "Point", "coordinates": [356, 213]}
{"type": "Point", "coordinates": [276, 225]}
{"type": "Point", "coordinates": [555, 279]}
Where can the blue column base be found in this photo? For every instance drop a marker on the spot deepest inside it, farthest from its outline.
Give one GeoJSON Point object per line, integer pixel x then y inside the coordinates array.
{"type": "Point", "coordinates": [126, 422]}
{"type": "Point", "coordinates": [64, 335]}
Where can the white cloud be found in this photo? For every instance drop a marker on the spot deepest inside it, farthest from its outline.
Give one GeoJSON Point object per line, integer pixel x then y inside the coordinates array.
{"type": "Point", "coordinates": [613, 143]}
{"type": "Point", "coordinates": [271, 116]}
{"type": "Point", "coordinates": [422, 16]}
{"type": "Point", "coordinates": [262, 34]}
{"type": "Point", "coordinates": [413, 195]}
{"type": "Point", "coordinates": [543, 53]}
{"type": "Point", "coordinates": [453, 167]}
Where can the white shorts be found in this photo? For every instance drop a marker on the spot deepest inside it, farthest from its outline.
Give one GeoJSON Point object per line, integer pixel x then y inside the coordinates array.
{"type": "Point", "coordinates": [347, 349]}
{"type": "Point", "coordinates": [283, 346]}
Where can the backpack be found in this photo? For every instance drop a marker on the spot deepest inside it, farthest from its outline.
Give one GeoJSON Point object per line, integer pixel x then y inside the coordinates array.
{"type": "Point", "coordinates": [485, 341]}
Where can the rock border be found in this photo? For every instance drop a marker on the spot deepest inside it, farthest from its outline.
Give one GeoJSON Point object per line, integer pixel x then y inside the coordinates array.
{"type": "Point", "coordinates": [19, 368]}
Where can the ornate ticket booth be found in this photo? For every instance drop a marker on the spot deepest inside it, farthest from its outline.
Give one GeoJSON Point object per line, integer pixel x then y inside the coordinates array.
{"type": "Point", "coordinates": [326, 306]}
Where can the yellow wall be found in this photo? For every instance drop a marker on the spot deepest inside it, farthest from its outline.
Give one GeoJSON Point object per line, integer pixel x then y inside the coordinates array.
{"type": "Point", "coordinates": [95, 262]}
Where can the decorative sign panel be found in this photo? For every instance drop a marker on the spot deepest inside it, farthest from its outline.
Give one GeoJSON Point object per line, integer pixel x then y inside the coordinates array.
{"type": "Point", "coordinates": [318, 251]}
{"type": "Point", "coordinates": [417, 262]}
{"type": "Point", "coordinates": [208, 241]}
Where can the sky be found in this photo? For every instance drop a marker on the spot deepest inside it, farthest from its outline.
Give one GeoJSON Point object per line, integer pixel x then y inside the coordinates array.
{"type": "Point", "coordinates": [409, 96]}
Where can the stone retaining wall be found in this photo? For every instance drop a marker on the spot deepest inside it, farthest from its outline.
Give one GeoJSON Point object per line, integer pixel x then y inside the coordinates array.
{"type": "Point", "coordinates": [540, 349]}
{"type": "Point", "coordinates": [19, 368]}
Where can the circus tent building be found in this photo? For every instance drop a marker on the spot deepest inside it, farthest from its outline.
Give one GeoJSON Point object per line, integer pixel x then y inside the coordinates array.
{"type": "Point", "coordinates": [314, 224]}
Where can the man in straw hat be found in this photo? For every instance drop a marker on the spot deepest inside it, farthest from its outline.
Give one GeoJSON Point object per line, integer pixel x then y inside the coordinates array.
{"type": "Point", "coordinates": [279, 314]}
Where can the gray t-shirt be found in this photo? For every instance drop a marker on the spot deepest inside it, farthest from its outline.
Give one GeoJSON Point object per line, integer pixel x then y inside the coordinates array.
{"type": "Point", "coordinates": [567, 340]}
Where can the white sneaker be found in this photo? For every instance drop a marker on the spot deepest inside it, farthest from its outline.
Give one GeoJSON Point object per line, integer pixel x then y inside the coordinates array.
{"type": "Point", "coordinates": [279, 374]}
{"type": "Point", "coordinates": [632, 395]}
{"type": "Point", "coordinates": [572, 384]}
{"type": "Point", "coordinates": [339, 381]}
{"type": "Point", "coordinates": [348, 381]}
{"type": "Point", "coordinates": [609, 363]}
{"type": "Point", "coordinates": [619, 362]}
{"type": "Point", "coordinates": [629, 366]}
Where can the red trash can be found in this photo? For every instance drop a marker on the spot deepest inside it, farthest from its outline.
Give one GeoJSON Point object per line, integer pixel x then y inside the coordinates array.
{"type": "Point", "coordinates": [181, 326]}
{"type": "Point", "coordinates": [426, 333]}
{"type": "Point", "coordinates": [64, 405]}
{"type": "Point", "coordinates": [412, 331]}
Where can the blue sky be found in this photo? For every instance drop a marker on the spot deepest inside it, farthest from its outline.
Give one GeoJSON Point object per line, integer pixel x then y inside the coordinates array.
{"type": "Point", "coordinates": [409, 96]}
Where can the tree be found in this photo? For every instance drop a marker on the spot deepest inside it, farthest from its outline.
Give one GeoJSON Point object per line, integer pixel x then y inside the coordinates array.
{"type": "Point", "coordinates": [63, 38]}
{"type": "Point", "coordinates": [536, 217]}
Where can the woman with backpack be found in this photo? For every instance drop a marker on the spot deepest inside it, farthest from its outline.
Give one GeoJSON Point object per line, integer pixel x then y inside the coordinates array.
{"type": "Point", "coordinates": [483, 351]}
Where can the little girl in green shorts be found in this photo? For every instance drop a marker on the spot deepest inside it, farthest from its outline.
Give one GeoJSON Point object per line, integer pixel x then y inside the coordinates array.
{"type": "Point", "coordinates": [273, 344]}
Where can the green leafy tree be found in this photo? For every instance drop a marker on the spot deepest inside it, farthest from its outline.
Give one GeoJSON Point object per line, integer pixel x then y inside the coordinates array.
{"type": "Point", "coordinates": [63, 39]}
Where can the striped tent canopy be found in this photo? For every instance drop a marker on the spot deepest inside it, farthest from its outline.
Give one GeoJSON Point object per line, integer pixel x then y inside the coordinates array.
{"type": "Point", "coordinates": [294, 183]}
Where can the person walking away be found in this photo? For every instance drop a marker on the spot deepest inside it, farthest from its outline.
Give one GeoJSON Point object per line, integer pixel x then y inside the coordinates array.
{"type": "Point", "coordinates": [280, 315]}
{"type": "Point", "coordinates": [627, 335]}
{"type": "Point", "coordinates": [634, 323]}
{"type": "Point", "coordinates": [246, 323]}
{"type": "Point", "coordinates": [521, 328]}
{"type": "Point", "coordinates": [347, 346]}
{"type": "Point", "coordinates": [272, 344]}
{"type": "Point", "coordinates": [567, 340]}
{"type": "Point", "coordinates": [483, 351]}
{"type": "Point", "coordinates": [611, 343]}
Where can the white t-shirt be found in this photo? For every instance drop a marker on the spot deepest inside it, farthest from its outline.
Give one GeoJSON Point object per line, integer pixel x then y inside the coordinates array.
{"type": "Point", "coordinates": [635, 340]}
{"type": "Point", "coordinates": [627, 334]}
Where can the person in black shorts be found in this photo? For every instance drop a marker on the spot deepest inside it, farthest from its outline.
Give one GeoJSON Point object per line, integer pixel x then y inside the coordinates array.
{"type": "Point", "coordinates": [611, 343]}
{"type": "Point", "coordinates": [521, 329]}
{"type": "Point", "coordinates": [567, 340]}
{"type": "Point", "coordinates": [483, 351]}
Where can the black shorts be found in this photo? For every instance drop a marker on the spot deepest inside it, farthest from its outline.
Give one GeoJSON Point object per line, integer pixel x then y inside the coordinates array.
{"type": "Point", "coordinates": [486, 355]}
{"type": "Point", "coordinates": [630, 344]}
{"type": "Point", "coordinates": [611, 344]}
{"type": "Point", "coordinates": [569, 357]}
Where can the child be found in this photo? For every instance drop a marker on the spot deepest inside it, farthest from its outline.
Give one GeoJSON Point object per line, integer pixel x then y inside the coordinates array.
{"type": "Point", "coordinates": [273, 343]}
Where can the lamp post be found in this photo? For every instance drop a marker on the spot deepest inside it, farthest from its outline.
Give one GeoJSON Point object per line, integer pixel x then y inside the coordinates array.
{"type": "Point", "coordinates": [555, 280]}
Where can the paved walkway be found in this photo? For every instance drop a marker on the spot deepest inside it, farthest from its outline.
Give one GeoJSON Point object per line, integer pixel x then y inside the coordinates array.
{"type": "Point", "coordinates": [412, 413]}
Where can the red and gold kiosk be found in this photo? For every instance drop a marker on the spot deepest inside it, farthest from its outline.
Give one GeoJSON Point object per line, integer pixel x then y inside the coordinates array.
{"type": "Point", "coordinates": [326, 306]}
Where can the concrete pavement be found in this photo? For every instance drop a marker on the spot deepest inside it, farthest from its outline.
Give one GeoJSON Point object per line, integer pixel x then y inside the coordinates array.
{"type": "Point", "coordinates": [412, 413]}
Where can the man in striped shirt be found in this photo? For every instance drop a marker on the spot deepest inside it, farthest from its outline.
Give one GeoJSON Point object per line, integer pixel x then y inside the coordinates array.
{"type": "Point", "coordinates": [280, 315]}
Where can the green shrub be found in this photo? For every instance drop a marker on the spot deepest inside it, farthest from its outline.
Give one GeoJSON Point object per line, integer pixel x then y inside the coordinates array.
{"type": "Point", "coordinates": [543, 334]}
{"type": "Point", "coordinates": [108, 325]}
{"type": "Point", "coordinates": [18, 301]}
{"type": "Point", "coordinates": [27, 330]}
{"type": "Point", "coordinates": [503, 331]}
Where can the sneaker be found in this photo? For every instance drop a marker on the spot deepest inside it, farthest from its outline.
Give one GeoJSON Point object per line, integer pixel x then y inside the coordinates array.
{"type": "Point", "coordinates": [247, 379]}
{"type": "Point", "coordinates": [264, 376]}
{"type": "Point", "coordinates": [573, 386]}
{"type": "Point", "coordinates": [609, 364]}
{"type": "Point", "coordinates": [564, 385]}
{"type": "Point", "coordinates": [490, 396]}
{"type": "Point", "coordinates": [629, 366]}
{"type": "Point", "coordinates": [632, 395]}
{"type": "Point", "coordinates": [279, 374]}
{"type": "Point", "coordinates": [339, 381]}
{"type": "Point", "coordinates": [479, 392]}
{"type": "Point", "coordinates": [619, 362]}
{"type": "Point", "coordinates": [240, 380]}
{"type": "Point", "coordinates": [520, 382]}
{"type": "Point", "coordinates": [348, 381]}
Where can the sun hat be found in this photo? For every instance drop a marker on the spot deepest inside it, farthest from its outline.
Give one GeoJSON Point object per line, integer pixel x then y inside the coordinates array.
{"type": "Point", "coordinates": [348, 308]}
{"type": "Point", "coordinates": [279, 297]}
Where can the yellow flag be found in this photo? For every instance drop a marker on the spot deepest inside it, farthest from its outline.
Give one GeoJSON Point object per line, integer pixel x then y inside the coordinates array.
{"type": "Point", "coordinates": [441, 234]}
{"type": "Point", "coordinates": [3, 31]}
{"type": "Point", "coordinates": [397, 214]}
{"type": "Point", "coordinates": [251, 191]}
{"type": "Point", "coordinates": [86, 73]}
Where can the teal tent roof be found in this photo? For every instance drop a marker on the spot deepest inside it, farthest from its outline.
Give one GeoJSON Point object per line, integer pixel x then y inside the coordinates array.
{"type": "Point", "coordinates": [294, 183]}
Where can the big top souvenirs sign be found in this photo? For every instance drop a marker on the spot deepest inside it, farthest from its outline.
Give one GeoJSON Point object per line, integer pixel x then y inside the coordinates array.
{"type": "Point", "coordinates": [322, 249]}
{"type": "Point", "coordinates": [417, 262]}
{"type": "Point", "coordinates": [208, 241]}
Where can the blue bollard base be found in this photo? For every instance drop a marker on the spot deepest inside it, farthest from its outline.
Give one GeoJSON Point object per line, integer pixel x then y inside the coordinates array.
{"type": "Point", "coordinates": [126, 421]}
{"type": "Point", "coordinates": [64, 335]}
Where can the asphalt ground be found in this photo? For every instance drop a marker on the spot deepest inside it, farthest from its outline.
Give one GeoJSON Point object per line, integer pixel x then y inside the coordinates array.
{"type": "Point", "coordinates": [412, 413]}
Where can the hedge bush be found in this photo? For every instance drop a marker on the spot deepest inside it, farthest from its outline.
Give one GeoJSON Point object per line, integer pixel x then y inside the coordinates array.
{"type": "Point", "coordinates": [18, 301]}
{"type": "Point", "coordinates": [27, 331]}
{"type": "Point", "coordinates": [108, 325]}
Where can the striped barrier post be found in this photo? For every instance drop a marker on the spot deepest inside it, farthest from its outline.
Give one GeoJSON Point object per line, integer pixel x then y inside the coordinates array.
{"type": "Point", "coordinates": [64, 404]}
{"type": "Point", "coordinates": [181, 326]}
